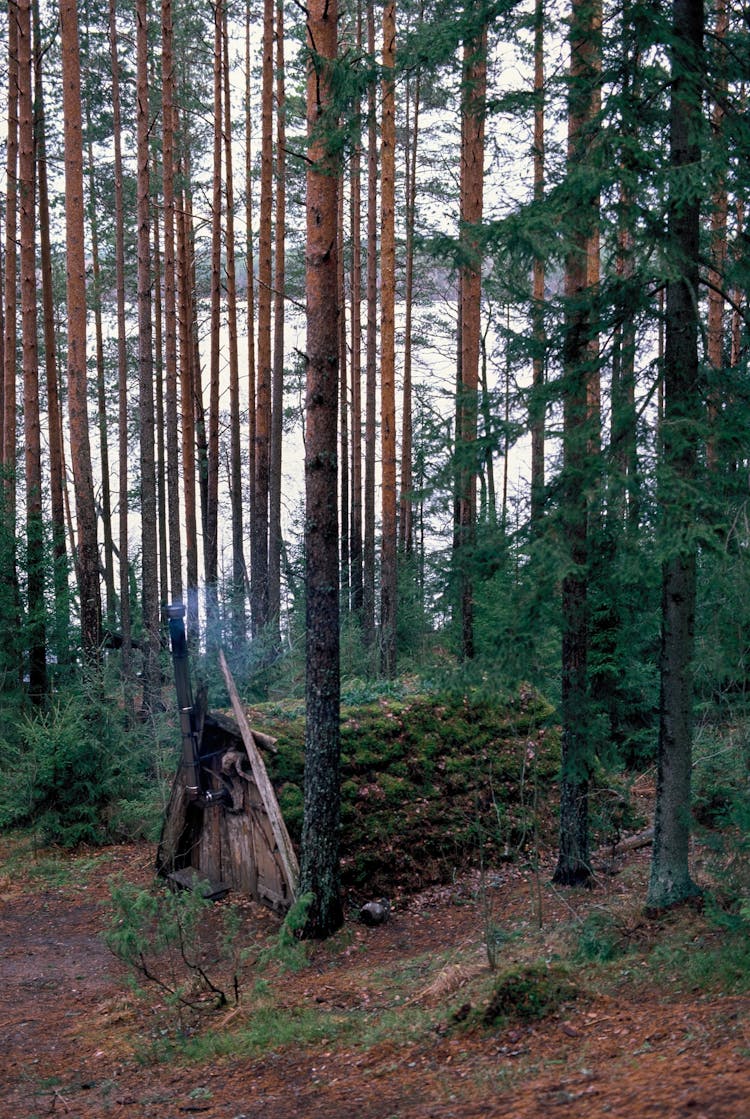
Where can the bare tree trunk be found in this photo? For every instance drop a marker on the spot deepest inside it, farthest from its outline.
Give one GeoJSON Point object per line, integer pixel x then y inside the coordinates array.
{"type": "Point", "coordinates": [474, 84]}
{"type": "Point", "coordinates": [355, 534]}
{"type": "Point", "coordinates": [101, 388]}
{"type": "Point", "coordinates": [344, 574]}
{"type": "Point", "coordinates": [149, 553]}
{"type": "Point", "coordinates": [368, 574]}
{"type": "Point", "coordinates": [250, 272]}
{"type": "Point", "coordinates": [9, 656]}
{"type": "Point", "coordinates": [259, 558]}
{"type": "Point", "coordinates": [35, 565]}
{"type": "Point", "coordinates": [170, 303]}
{"type": "Point", "coordinates": [388, 558]}
{"type": "Point", "coordinates": [54, 424]}
{"type": "Point", "coordinates": [211, 540]}
{"type": "Point", "coordinates": [624, 442]}
{"type": "Point", "coordinates": [187, 411]}
{"type": "Point", "coordinates": [161, 458]}
{"type": "Point", "coordinates": [537, 405]}
{"type": "Point", "coordinates": [406, 510]}
{"type": "Point", "coordinates": [122, 360]}
{"type": "Point", "coordinates": [277, 382]}
{"type": "Point", "coordinates": [87, 557]}
{"type": "Point", "coordinates": [320, 854]}
{"type": "Point", "coordinates": [237, 594]}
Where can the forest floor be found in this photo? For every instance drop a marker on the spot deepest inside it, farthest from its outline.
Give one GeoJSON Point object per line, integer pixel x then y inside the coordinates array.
{"type": "Point", "coordinates": [397, 1020]}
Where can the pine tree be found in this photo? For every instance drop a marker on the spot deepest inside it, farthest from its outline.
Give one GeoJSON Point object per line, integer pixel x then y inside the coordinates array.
{"type": "Point", "coordinates": [87, 554]}
{"type": "Point", "coordinates": [319, 875]}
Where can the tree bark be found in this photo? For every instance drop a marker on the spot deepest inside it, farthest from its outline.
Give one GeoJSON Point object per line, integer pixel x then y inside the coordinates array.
{"type": "Point", "coordinates": [149, 546]}
{"type": "Point", "coordinates": [211, 541]}
{"type": "Point", "coordinates": [170, 303]}
{"type": "Point", "coordinates": [277, 382]}
{"type": "Point", "coordinates": [406, 509]}
{"type": "Point", "coordinates": [35, 562]}
{"type": "Point", "coordinates": [355, 533]}
{"type": "Point", "coordinates": [250, 273]}
{"type": "Point", "coordinates": [388, 556]}
{"type": "Point", "coordinates": [320, 832]}
{"type": "Point", "coordinates": [371, 354]}
{"type": "Point", "coordinates": [237, 592]}
{"type": "Point", "coordinates": [259, 556]}
{"type": "Point", "coordinates": [10, 606]}
{"type": "Point", "coordinates": [60, 639]}
{"type": "Point", "coordinates": [87, 555]}
{"type": "Point", "coordinates": [670, 880]}
{"type": "Point", "coordinates": [537, 403]}
{"type": "Point", "coordinates": [474, 83]}
{"type": "Point", "coordinates": [122, 360]}
{"type": "Point", "coordinates": [187, 408]}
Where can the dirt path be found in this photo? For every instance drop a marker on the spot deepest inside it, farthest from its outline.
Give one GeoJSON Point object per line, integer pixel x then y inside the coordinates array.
{"type": "Point", "coordinates": [68, 1026]}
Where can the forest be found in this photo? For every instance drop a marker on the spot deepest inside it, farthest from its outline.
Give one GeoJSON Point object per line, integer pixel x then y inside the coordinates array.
{"type": "Point", "coordinates": [404, 348]}
{"type": "Point", "coordinates": [400, 350]}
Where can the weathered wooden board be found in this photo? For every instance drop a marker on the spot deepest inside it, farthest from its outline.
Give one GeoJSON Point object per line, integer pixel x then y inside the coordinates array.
{"type": "Point", "coordinates": [239, 840]}
{"type": "Point", "coordinates": [270, 804]}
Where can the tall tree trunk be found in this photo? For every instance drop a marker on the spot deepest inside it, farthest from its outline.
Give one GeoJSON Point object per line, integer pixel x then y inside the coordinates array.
{"type": "Point", "coordinates": [406, 510]}
{"type": "Point", "coordinates": [250, 273]}
{"type": "Point", "coordinates": [580, 439]}
{"type": "Point", "coordinates": [35, 562]}
{"type": "Point", "coordinates": [368, 555]}
{"type": "Point", "coordinates": [388, 557]}
{"type": "Point", "coordinates": [9, 604]}
{"type": "Point", "coordinates": [54, 424]}
{"type": "Point", "coordinates": [320, 855]}
{"type": "Point", "coordinates": [160, 450]}
{"type": "Point", "coordinates": [149, 553]}
{"type": "Point", "coordinates": [235, 446]}
{"type": "Point", "coordinates": [170, 302]}
{"type": "Point", "coordinates": [187, 411]}
{"type": "Point", "coordinates": [211, 540]}
{"type": "Point", "coordinates": [670, 880]}
{"type": "Point", "coordinates": [8, 434]}
{"type": "Point", "coordinates": [537, 404]}
{"type": "Point", "coordinates": [101, 388]}
{"type": "Point", "coordinates": [122, 361]}
{"type": "Point", "coordinates": [87, 554]}
{"type": "Point", "coordinates": [259, 557]}
{"type": "Point", "coordinates": [474, 84]}
{"type": "Point", "coordinates": [355, 533]}
{"type": "Point", "coordinates": [344, 476]}
{"type": "Point", "coordinates": [623, 429]}
{"type": "Point", "coordinates": [277, 382]}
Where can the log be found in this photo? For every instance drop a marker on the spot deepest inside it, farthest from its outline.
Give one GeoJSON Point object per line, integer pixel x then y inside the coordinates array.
{"type": "Point", "coordinates": [632, 843]}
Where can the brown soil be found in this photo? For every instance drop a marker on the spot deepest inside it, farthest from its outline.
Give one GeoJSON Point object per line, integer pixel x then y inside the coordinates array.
{"type": "Point", "coordinates": [76, 1041]}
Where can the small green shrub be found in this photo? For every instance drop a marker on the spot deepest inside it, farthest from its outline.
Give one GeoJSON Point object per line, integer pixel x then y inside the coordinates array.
{"type": "Point", "coordinates": [288, 951]}
{"type": "Point", "coordinates": [163, 938]}
{"type": "Point", "coordinates": [600, 938]}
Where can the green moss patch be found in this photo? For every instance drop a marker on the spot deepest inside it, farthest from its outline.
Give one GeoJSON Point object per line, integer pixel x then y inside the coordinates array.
{"type": "Point", "coordinates": [528, 993]}
{"type": "Point", "coordinates": [427, 782]}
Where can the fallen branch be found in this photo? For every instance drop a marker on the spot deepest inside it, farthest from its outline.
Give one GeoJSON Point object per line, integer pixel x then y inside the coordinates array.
{"type": "Point", "coordinates": [632, 843]}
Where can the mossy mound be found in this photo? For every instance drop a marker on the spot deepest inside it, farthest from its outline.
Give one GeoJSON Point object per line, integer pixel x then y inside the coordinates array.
{"type": "Point", "coordinates": [529, 993]}
{"type": "Point", "coordinates": [427, 781]}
